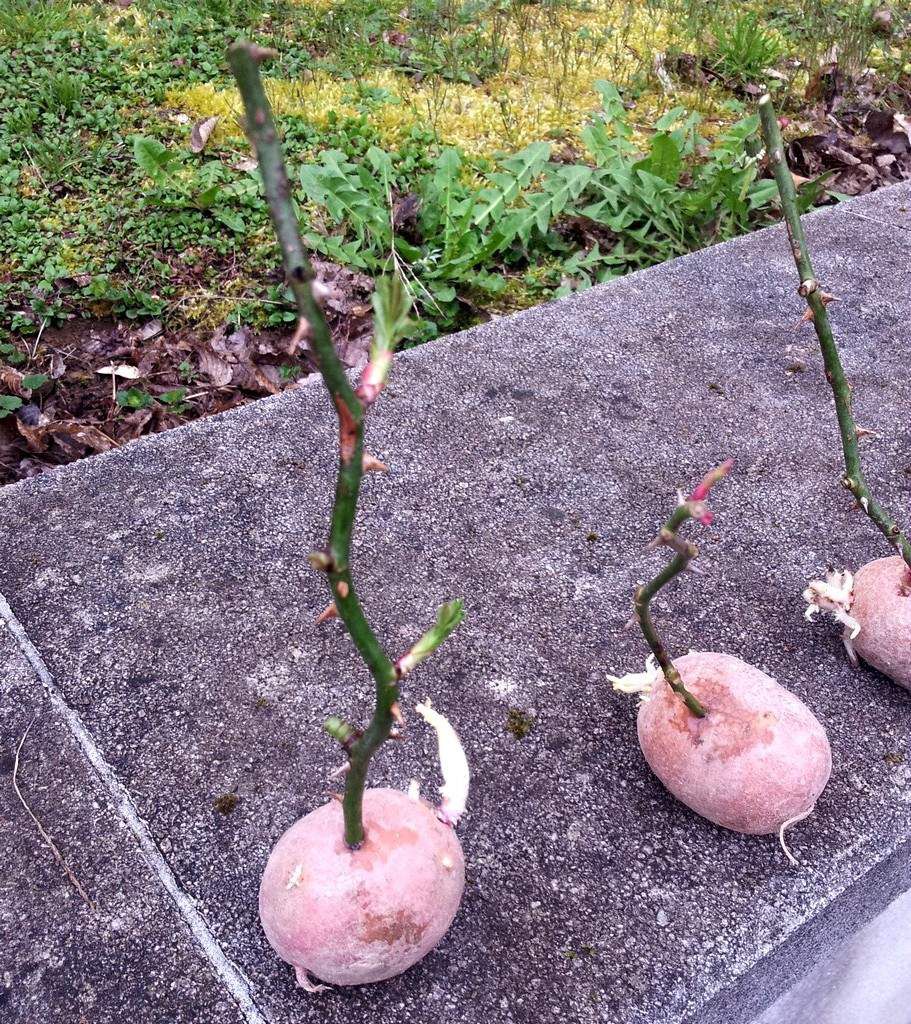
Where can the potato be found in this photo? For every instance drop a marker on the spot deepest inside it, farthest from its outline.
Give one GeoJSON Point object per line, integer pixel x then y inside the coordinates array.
{"type": "Point", "coordinates": [356, 916]}
{"type": "Point", "coordinates": [882, 608]}
{"type": "Point", "coordinates": [757, 760]}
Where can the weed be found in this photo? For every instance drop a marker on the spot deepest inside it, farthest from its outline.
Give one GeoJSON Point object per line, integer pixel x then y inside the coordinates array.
{"type": "Point", "coordinates": [9, 404]}
{"type": "Point", "coordinates": [29, 21]}
{"type": "Point", "coordinates": [134, 398]}
{"type": "Point", "coordinates": [745, 48]}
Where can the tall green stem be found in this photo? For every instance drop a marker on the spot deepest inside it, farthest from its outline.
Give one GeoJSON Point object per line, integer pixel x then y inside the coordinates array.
{"type": "Point", "coordinates": [853, 478]}
{"type": "Point", "coordinates": [693, 508]}
{"type": "Point", "coordinates": [245, 59]}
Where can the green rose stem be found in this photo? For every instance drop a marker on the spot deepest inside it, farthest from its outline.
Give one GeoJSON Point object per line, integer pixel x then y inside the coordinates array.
{"type": "Point", "coordinates": [669, 536]}
{"type": "Point", "coordinates": [391, 308]}
{"type": "Point", "coordinates": [853, 479]}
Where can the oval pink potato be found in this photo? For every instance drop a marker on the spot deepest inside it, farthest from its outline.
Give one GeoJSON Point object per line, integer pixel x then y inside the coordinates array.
{"type": "Point", "coordinates": [356, 916]}
{"type": "Point", "coordinates": [882, 606]}
{"type": "Point", "coordinates": [759, 757]}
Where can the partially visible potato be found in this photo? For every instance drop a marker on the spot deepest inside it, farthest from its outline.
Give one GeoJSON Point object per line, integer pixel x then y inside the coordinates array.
{"type": "Point", "coordinates": [758, 759]}
{"type": "Point", "coordinates": [882, 608]}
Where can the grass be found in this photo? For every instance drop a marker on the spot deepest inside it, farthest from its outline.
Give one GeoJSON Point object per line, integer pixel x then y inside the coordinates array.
{"type": "Point", "coordinates": [107, 212]}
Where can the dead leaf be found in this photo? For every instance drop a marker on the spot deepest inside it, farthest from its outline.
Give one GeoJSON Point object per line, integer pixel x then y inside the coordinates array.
{"type": "Point", "coordinates": [149, 330]}
{"type": "Point", "coordinates": [215, 368]}
{"type": "Point", "coordinates": [201, 132]}
{"type": "Point", "coordinates": [37, 438]}
{"type": "Point", "coordinates": [12, 379]}
{"type": "Point", "coordinates": [902, 124]}
{"type": "Point", "coordinates": [246, 164]}
{"type": "Point", "coordinates": [132, 425]}
{"type": "Point", "coordinates": [58, 367]}
{"type": "Point", "coordinates": [123, 370]}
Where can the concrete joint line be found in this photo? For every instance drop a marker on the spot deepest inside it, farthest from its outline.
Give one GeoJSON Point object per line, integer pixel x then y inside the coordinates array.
{"type": "Point", "coordinates": [880, 223]}
{"type": "Point", "coordinates": [231, 975]}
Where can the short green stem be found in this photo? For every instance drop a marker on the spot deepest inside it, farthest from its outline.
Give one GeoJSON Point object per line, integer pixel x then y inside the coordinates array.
{"type": "Point", "coordinates": [642, 604]}
{"type": "Point", "coordinates": [693, 507]}
{"type": "Point", "coordinates": [853, 478]}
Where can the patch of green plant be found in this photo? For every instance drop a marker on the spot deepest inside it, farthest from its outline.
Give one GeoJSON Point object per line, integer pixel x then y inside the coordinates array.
{"type": "Point", "coordinates": [448, 234]}
{"type": "Point", "coordinates": [175, 400]}
{"type": "Point", "coordinates": [11, 354]}
{"type": "Point", "coordinates": [28, 21]}
{"type": "Point", "coordinates": [183, 181]}
{"type": "Point", "coordinates": [459, 41]}
{"type": "Point", "coordinates": [744, 48]}
{"type": "Point", "coordinates": [134, 398]}
{"type": "Point", "coordinates": [9, 404]}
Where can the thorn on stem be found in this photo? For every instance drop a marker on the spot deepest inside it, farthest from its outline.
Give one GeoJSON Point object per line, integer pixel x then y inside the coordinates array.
{"type": "Point", "coordinates": [329, 612]}
{"type": "Point", "coordinates": [372, 464]}
{"type": "Point", "coordinates": [342, 589]}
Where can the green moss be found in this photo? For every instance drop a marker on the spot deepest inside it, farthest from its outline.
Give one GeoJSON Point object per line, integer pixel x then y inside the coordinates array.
{"type": "Point", "coordinates": [519, 723]}
{"type": "Point", "coordinates": [226, 803]}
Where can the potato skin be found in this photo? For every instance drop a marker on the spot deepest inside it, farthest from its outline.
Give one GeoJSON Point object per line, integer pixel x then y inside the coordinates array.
{"type": "Point", "coordinates": [757, 759]}
{"type": "Point", "coordinates": [358, 916]}
{"type": "Point", "coordinates": [882, 606]}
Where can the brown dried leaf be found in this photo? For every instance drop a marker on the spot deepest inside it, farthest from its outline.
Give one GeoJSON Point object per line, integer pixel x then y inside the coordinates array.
{"type": "Point", "coordinates": [201, 132]}
{"type": "Point", "coordinates": [58, 367]}
{"type": "Point", "coordinates": [149, 330]}
{"type": "Point", "coordinates": [12, 379]}
{"type": "Point", "coordinates": [133, 425]}
{"type": "Point", "coordinates": [218, 370]}
{"type": "Point", "coordinates": [37, 438]}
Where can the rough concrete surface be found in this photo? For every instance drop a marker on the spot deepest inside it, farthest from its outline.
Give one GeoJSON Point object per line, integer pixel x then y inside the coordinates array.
{"type": "Point", "coordinates": [130, 956]}
{"type": "Point", "coordinates": [532, 459]}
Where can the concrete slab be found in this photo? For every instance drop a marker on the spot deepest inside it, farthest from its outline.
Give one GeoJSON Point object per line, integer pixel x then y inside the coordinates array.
{"type": "Point", "coordinates": [531, 460]}
{"type": "Point", "coordinates": [127, 957]}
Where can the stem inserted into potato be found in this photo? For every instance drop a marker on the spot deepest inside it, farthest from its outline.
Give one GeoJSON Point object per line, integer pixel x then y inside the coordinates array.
{"type": "Point", "coordinates": [693, 507]}
{"type": "Point", "coordinates": [391, 308]}
{"type": "Point", "coordinates": [853, 478]}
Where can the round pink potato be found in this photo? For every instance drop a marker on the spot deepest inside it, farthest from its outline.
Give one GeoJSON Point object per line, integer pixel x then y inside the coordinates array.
{"type": "Point", "coordinates": [758, 759]}
{"type": "Point", "coordinates": [356, 916]}
{"type": "Point", "coordinates": [882, 607]}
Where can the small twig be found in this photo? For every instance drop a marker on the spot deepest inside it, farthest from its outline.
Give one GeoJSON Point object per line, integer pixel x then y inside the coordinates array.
{"type": "Point", "coordinates": [693, 507]}
{"type": "Point", "coordinates": [77, 885]}
{"type": "Point", "coordinates": [37, 342]}
{"type": "Point", "coordinates": [853, 479]}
